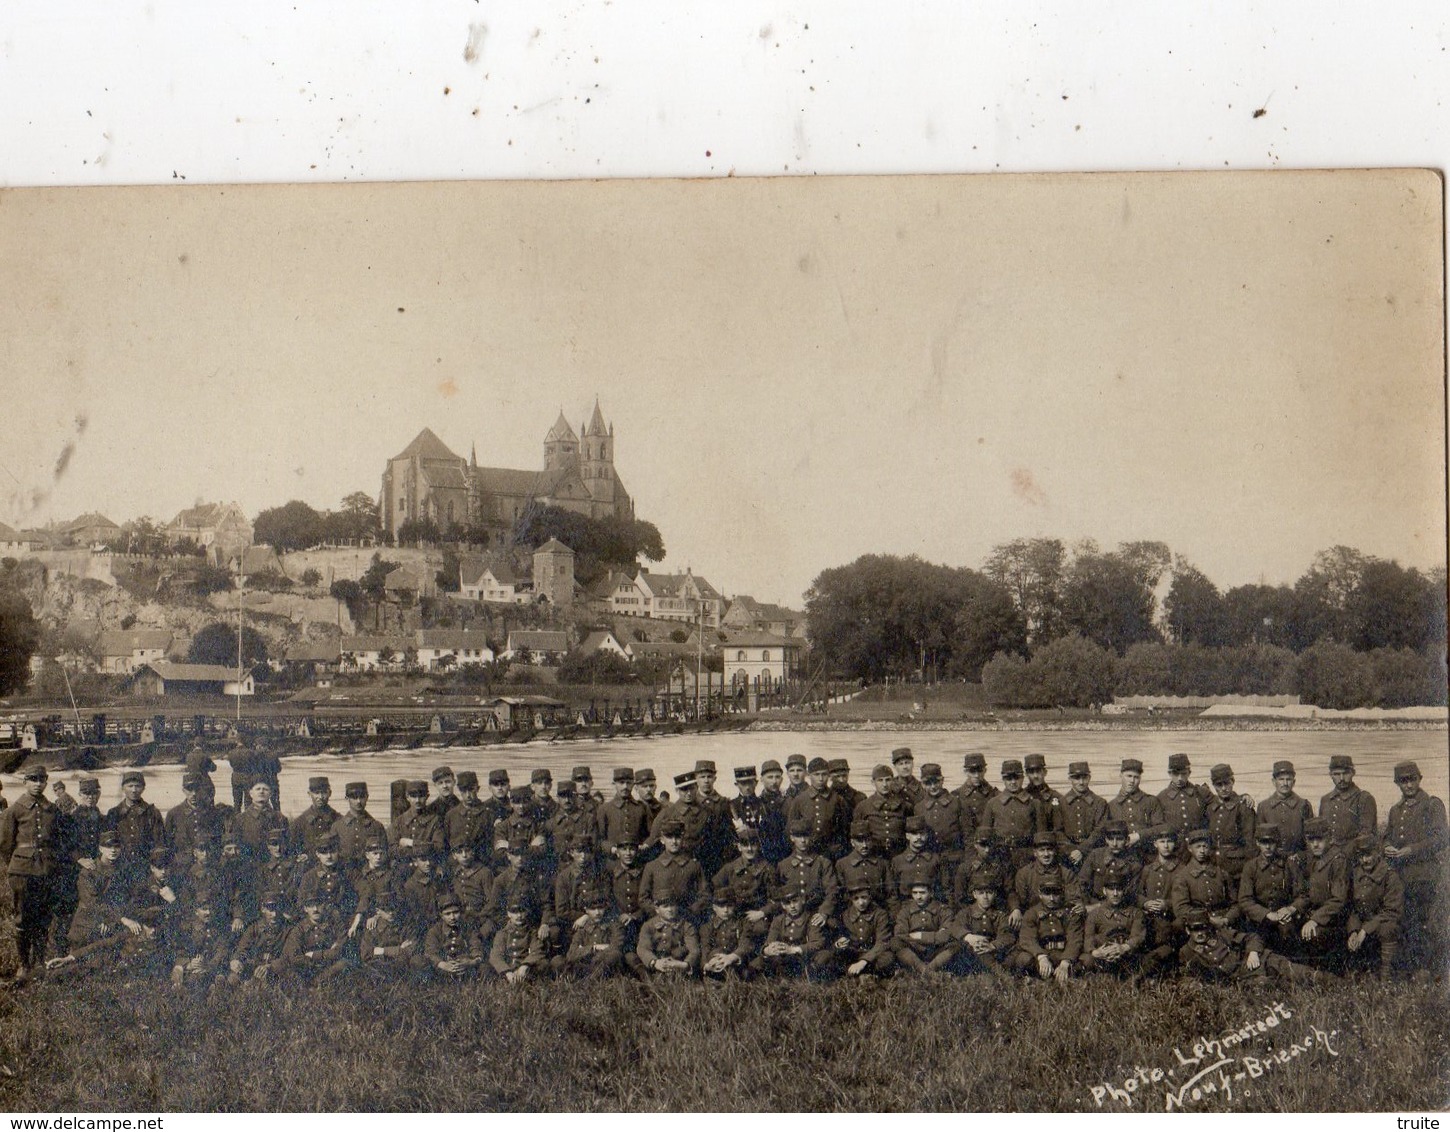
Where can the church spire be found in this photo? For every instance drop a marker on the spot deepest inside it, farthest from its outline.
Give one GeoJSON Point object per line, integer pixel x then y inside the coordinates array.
{"type": "Point", "coordinates": [596, 422]}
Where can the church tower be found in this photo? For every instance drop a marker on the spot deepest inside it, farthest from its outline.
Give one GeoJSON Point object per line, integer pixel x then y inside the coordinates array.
{"type": "Point", "coordinates": [596, 466]}
{"type": "Point", "coordinates": [561, 446]}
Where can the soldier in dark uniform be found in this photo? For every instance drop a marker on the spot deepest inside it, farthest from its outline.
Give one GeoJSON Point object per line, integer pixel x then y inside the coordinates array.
{"type": "Point", "coordinates": [1376, 904]}
{"type": "Point", "coordinates": [1141, 811]}
{"type": "Point", "coordinates": [1231, 820]}
{"type": "Point", "coordinates": [517, 953]}
{"type": "Point", "coordinates": [327, 883]}
{"type": "Point", "coordinates": [1012, 816]}
{"type": "Point", "coordinates": [750, 880]}
{"type": "Point", "coordinates": [687, 811]}
{"type": "Point", "coordinates": [315, 822]}
{"type": "Point", "coordinates": [644, 794]}
{"type": "Point", "coordinates": [1114, 932]}
{"type": "Point", "coordinates": [569, 821]}
{"type": "Point", "coordinates": [257, 955]}
{"type": "Point", "coordinates": [808, 872]}
{"type": "Point", "coordinates": [1272, 891]}
{"type": "Point", "coordinates": [1414, 845]}
{"type": "Point", "coordinates": [521, 824]}
{"type": "Point", "coordinates": [840, 774]}
{"type": "Point", "coordinates": [1286, 810]}
{"type": "Point", "coordinates": [1184, 801]}
{"type": "Point", "coordinates": [924, 941]}
{"type": "Point", "coordinates": [596, 947]}
{"type": "Point", "coordinates": [1155, 897]}
{"type": "Point", "coordinates": [416, 832]}
{"type": "Point", "coordinates": [470, 822]}
{"type": "Point", "coordinates": [902, 761]}
{"type": "Point", "coordinates": [1083, 814]}
{"type": "Point", "coordinates": [975, 792]}
{"type": "Point", "coordinates": [497, 809]}
{"type": "Point", "coordinates": [1044, 868]}
{"type": "Point", "coordinates": [668, 942]}
{"type": "Point", "coordinates": [137, 823]}
{"type": "Point", "coordinates": [1048, 800]}
{"type": "Point", "coordinates": [774, 841]}
{"type": "Point", "coordinates": [916, 863]}
{"type": "Point", "coordinates": [1349, 810]}
{"type": "Point", "coordinates": [623, 817]}
{"type": "Point", "coordinates": [203, 946]}
{"type": "Point", "coordinates": [864, 944]}
{"type": "Point", "coordinates": [583, 779]}
{"type": "Point", "coordinates": [728, 941]}
{"type": "Point", "coordinates": [1199, 883]}
{"type": "Point", "coordinates": [581, 876]}
{"type": "Point", "coordinates": [63, 801]}
{"type": "Point", "coordinates": [942, 813]}
{"type": "Point", "coordinates": [983, 855]}
{"type": "Point", "coordinates": [31, 841]}
{"type": "Point", "coordinates": [885, 813]}
{"type": "Point", "coordinates": [981, 925]}
{"type": "Point", "coordinates": [541, 782]}
{"type": "Point", "coordinates": [862, 866]}
{"type": "Point", "coordinates": [442, 803]}
{"type": "Point", "coordinates": [746, 808]}
{"type": "Point", "coordinates": [196, 818]}
{"type": "Point", "coordinates": [1049, 943]}
{"type": "Point", "coordinates": [626, 882]}
{"type": "Point", "coordinates": [356, 827]}
{"type": "Point", "coordinates": [1228, 955]}
{"type": "Point", "coordinates": [1113, 853]}
{"type": "Point", "coordinates": [451, 947]}
{"type": "Point", "coordinates": [472, 882]}
{"type": "Point", "coordinates": [793, 940]}
{"type": "Point", "coordinates": [82, 828]}
{"type": "Point", "coordinates": [674, 876]}
{"type": "Point", "coordinates": [795, 773]}
{"type": "Point", "coordinates": [314, 948]}
{"type": "Point", "coordinates": [378, 879]}
{"type": "Point", "coordinates": [824, 809]}
{"type": "Point", "coordinates": [1326, 908]}
{"type": "Point", "coordinates": [258, 819]}
{"type": "Point", "coordinates": [276, 874]}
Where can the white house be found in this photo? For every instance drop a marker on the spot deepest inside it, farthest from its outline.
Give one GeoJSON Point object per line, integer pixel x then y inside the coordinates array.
{"type": "Point", "coordinates": [759, 660]}
{"type": "Point", "coordinates": [463, 646]}
{"type": "Point", "coordinates": [164, 678]}
{"type": "Point", "coordinates": [123, 651]}
{"type": "Point", "coordinates": [365, 653]}
{"type": "Point", "coordinates": [545, 646]}
{"type": "Point", "coordinates": [602, 640]}
{"type": "Point", "coordinates": [493, 580]}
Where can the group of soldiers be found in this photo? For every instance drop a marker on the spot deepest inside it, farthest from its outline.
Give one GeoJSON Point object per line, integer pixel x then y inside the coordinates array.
{"type": "Point", "coordinates": [798, 875]}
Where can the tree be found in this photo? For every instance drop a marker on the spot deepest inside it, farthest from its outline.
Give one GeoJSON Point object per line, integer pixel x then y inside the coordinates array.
{"type": "Point", "coordinates": [411, 532]}
{"type": "Point", "coordinates": [1106, 599]}
{"type": "Point", "coordinates": [350, 594]}
{"type": "Point", "coordinates": [1324, 593]}
{"type": "Point", "coordinates": [210, 580]}
{"type": "Point", "coordinates": [1032, 571]}
{"type": "Point", "coordinates": [988, 622]}
{"type": "Point", "coordinates": [1332, 675]}
{"type": "Point", "coordinates": [386, 656]}
{"type": "Point", "coordinates": [216, 643]}
{"type": "Point", "coordinates": [597, 667]}
{"type": "Point", "coordinates": [1260, 614]}
{"type": "Point", "coordinates": [1391, 608]}
{"type": "Point", "coordinates": [19, 636]}
{"type": "Point", "coordinates": [311, 577]}
{"type": "Point", "coordinates": [598, 544]}
{"type": "Point", "coordinates": [293, 526]}
{"type": "Point", "coordinates": [447, 578]}
{"type": "Point", "coordinates": [359, 518]}
{"type": "Point", "coordinates": [1195, 609]}
{"type": "Point", "coordinates": [375, 577]}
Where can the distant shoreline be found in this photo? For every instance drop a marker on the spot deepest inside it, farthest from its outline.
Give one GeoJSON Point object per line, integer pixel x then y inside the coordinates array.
{"type": "Point", "coordinates": [1231, 723]}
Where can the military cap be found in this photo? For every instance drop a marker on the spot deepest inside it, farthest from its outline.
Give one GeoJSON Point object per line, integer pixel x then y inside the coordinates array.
{"type": "Point", "coordinates": [313, 901]}
{"type": "Point", "coordinates": [985, 836]}
{"type": "Point", "coordinates": [796, 892]}
{"type": "Point", "coordinates": [770, 765]}
{"type": "Point", "coordinates": [1115, 876]}
{"type": "Point", "coordinates": [795, 760]}
{"type": "Point", "coordinates": [450, 901]}
{"type": "Point", "coordinates": [566, 789]}
{"type": "Point", "coordinates": [1341, 762]}
{"type": "Point", "coordinates": [747, 836]}
{"type": "Point", "coordinates": [857, 887]}
{"type": "Point", "coordinates": [817, 765]}
{"type": "Point", "coordinates": [126, 779]}
{"type": "Point", "coordinates": [1178, 762]}
{"type": "Point", "coordinates": [1316, 827]}
{"type": "Point", "coordinates": [1221, 773]}
{"type": "Point", "coordinates": [517, 844]}
{"type": "Point", "coordinates": [37, 772]}
{"type": "Point", "coordinates": [518, 902]}
{"type": "Point", "coordinates": [623, 774]}
{"type": "Point", "coordinates": [836, 765]}
{"type": "Point", "coordinates": [1365, 843]}
{"type": "Point", "coordinates": [417, 788]}
{"type": "Point", "coordinates": [1283, 766]}
{"type": "Point", "coordinates": [800, 827]}
{"type": "Point", "coordinates": [160, 855]}
{"type": "Point", "coordinates": [88, 784]}
{"type": "Point", "coordinates": [328, 843]}
{"type": "Point", "coordinates": [191, 781]}
{"type": "Point", "coordinates": [860, 830]}
{"type": "Point", "coordinates": [1196, 920]}
{"type": "Point", "coordinates": [645, 776]}
{"type": "Point", "coordinates": [110, 838]}
{"type": "Point", "coordinates": [376, 842]}
{"type": "Point", "coordinates": [916, 824]}
{"type": "Point", "coordinates": [744, 774]}
{"type": "Point", "coordinates": [1199, 835]}
{"type": "Point", "coordinates": [1078, 770]}
{"type": "Point", "coordinates": [1035, 762]}
{"type": "Point", "coordinates": [684, 781]}
{"type": "Point", "coordinates": [442, 772]}
{"type": "Point", "coordinates": [983, 880]}
{"type": "Point", "coordinates": [318, 782]}
{"type": "Point", "coordinates": [882, 771]}
{"type": "Point", "coordinates": [1134, 765]}
{"type": "Point", "coordinates": [705, 766]}
{"type": "Point", "coordinates": [582, 839]}
{"type": "Point", "coordinates": [467, 780]}
{"type": "Point", "coordinates": [673, 827]}
{"type": "Point", "coordinates": [274, 902]}
{"type": "Point", "coordinates": [630, 841]}
{"type": "Point", "coordinates": [582, 773]}
{"type": "Point", "coordinates": [275, 836]}
{"type": "Point", "coordinates": [356, 790]}
{"type": "Point", "coordinates": [1115, 827]}
{"type": "Point", "coordinates": [902, 755]}
{"type": "Point", "coordinates": [541, 774]}
{"type": "Point", "coordinates": [1042, 837]}
{"type": "Point", "coordinates": [1011, 768]}
{"type": "Point", "coordinates": [1405, 771]}
{"type": "Point", "coordinates": [230, 837]}
{"type": "Point", "coordinates": [1164, 832]}
{"type": "Point", "coordinates": [1268, 832]}
{"type": "Point", "coordinates": [1051, 884]}
{"type": "Point", "coordinates": [930, 772]}
{"type": "Point", "coordinates": [596, 898]}
{"type": "Point", "coordinates": [498, 777]}
{"type": "Point", "coordinates": [519, 795]}
{"type": "Point", "coordinates": [975, 761]}
{"type": "Point", "coordinates": [723, 895]}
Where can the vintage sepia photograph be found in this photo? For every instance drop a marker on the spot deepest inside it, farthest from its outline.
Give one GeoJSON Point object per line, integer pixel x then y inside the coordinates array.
{"type": "Point", "coordinates": [951, 643]}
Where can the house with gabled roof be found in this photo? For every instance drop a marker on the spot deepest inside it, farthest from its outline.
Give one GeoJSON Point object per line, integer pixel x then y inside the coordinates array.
{"type": "Point", "coordinates": [464, 646]}
{"type": "Point", "coordinates": [366, 653]}
{"type": "Point", "coordinates": [545, 646]}
{"type": "Point", "coordinates": [760, 661]}
{"type": "Point", "coordinates": [222, 530]}
{"type": "Point", "coordinates": [166, 678]}
{"type": "Point", "coordinates": [680, 597]}
{"type": "Point", "coordinates": [123, 651]}
{"type": "Point", "coordinates": [91, 529]}
{"type": "Point", "coordinates": [604, 640]}
{"type": "Point", "coordinates": [746, 614]}
{"type": "Point", "coordinates": [492, 578]}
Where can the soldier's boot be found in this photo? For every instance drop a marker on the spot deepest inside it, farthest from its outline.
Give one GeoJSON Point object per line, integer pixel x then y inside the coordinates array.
{"type": "Point", "coordinates": [1389, 948]}
{"type": "Point", "coordinates": [941, 962]}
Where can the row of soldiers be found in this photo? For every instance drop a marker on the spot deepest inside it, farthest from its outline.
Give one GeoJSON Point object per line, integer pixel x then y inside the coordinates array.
{"type": "Point", "coordinates": [536, 880]}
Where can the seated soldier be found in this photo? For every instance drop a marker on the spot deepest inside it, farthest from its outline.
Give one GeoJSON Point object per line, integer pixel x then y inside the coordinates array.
{"type": "Point", "coordinates": [314, 948]}
{"type": "Point", "coordinates": [982, 926]}
{"type": "Point", "coordinates": [582, 876]}
{"type": "Point", "coordinates": [275, 874]}
{"type": "Point", "coordinates": [808, 872]}
{"type": "Point", "coordinates": [863, 944]}
{"type": "Point", "coordinates": [105, 930]}
{"type": "Point", "coordinates": [1114, 932]}
{"type": "Point", "coordinates": [1376, 903]}
{"type": "Point", "coordinates": [751, 880]}
{"type": "Point", "coordinates": [627, 878]}
{"type": "Point", "coordinates": [420, 895]}
{"type": "Point", "coordinates": [1155, 897]}
{"type": "Point", "coordinates": [375, 880]}
{"type": "Point", "coordinates": [1228, 955]}
{"type": "Point", "coordinates": [387, 951]}
{"type": "Point", "coordinates": [328, 884]}
{"type": "Point", "coordinates": [1029, 879]}
{"type": "Point", "coordinates": [987, 854]}
{"type": "Point", "coordinates": [517, 954]}
{"type": "Point", "coordinates": [728, 940]}
{"type": "Point", "coordinates": [202, 948]}
{"type": "Point", "coordinates": [1272, 892]}
{"type": "Point", "coordinates": [668, 943]}
{"type": "Point", "coordinates": [924, 941]}
{"type": "Point", "coordinates": [793, 940]}
{"type": "Point", "coordinates": [596, 947]}
{"type": "Point", "coordinates": [1113, 852]}
{"type": "Point", "coordinates": [674, 877]}
{"type": "Point", "coordinates": [1326, 897]}
{"type": "Point", "coordinates": [1049, 942]}
{"type": "Point", "coordinates": [451, 947]}
{"type": "Point", "coordinates": [154, 899]}
{"type": "Point", "coordinates": [258, 953]}
{"type": "Point", "coordinates": [471, 882]}
{"type": "Point", "coordinates": [916, 863]}
{"type": "Point", "coordinates": [863, 865]}
{"type": "Point", "coordinates": [1199, 883]}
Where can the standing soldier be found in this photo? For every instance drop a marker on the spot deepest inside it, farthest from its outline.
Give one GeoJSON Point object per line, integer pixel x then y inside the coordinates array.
{"type": "Point", "coordinates": [795, 773]}
{"type": "Point", "coordinates": [195, 819]}
{"type": "Point", "coordinates": [258, 820]}
{"type": "Point", "coordinates": [416, 832]}
{"type": "Point", "coordinates": [824, 810]}
{"type": "Point", "coordinates": [1326, 892]}
{"type": "Point", "coordinates": [1376, 904]}
{"type": "Point", "coordinates": [541, 783]}
{"type": "Point", "coordinates": [644, 794]}
{"type": "Point", "coordinates": [975, 792]}
{"type": "Point", "coordinates": [1155, 897]}
{"type": "Point", "coordinates": [717, 833]}
{"type": "Point", "coordinates": [1231, 822]}
{"type": "Point", "coordinates": [443, 802]}
{"type": "Point", "coordinates": [902, 761]}
{"type": "Point", "coordinates": [315, 822]}
{"type": "Point", "coordinates": [885, 813]}
{"type": "Point", "coordinates": [746, 808]}
{"type": "Point", "coordinates": [1349, 810]}
{"type": "Point", "coordinates": [862, 866]}
{"type": "Point", "coordinates": [31, 842]}
{"type": "Point", "coordinates": [623, 817]}
{"type": "Point", "coordinates": [774, 841]}
{"type": "Point", "coordinates": [942, 813]}
{"type": "Point", "coordinates": [1286, 810]}
{"type": "Point", "coordinates": [1141, 811]}
{"type": "Point", "coordinates": [1012, 816]}
{"type": "Point", "coordinates": [1184, 803]}
{"type": "Point", "coordinates": [686, 811]}
{"type": "Point", "coordinates": [1048, 800]}
{"type": "Point", "coordinates": [82, 828]}
{"type": "Point", "coordinates": [63, 801]}
{"type": "Point", "coordinates": [840, 772]}
{"type": "Point", "coordinates": [470, 823]}
{"type": "Point", "coordinates": [1415, 843]}
{"type": "Point", "coordinates": [917, 864]}
{"type": "Point", "coordinates": [1083, 816]}
{"type": "Point", "coordinates": [137, 823]}
{"type": "Point", "coordinates": [356, 827]}
{"type": "Point", "coordinates": [571, 819]}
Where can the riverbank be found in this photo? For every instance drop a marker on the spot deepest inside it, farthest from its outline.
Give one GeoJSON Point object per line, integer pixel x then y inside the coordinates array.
{"type": "Point", "coordinates": [1120, 724]}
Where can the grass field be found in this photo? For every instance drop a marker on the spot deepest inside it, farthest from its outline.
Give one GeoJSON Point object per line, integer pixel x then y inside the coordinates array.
{"type": "Point", "coordinates": [900, 1045]}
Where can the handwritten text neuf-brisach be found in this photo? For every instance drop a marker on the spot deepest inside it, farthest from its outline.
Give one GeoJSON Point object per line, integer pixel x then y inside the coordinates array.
{"type": "Point", "coordinates": [1214, 1067]}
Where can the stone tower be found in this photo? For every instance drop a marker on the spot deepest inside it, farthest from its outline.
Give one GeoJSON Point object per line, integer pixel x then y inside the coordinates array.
{"type": "Point", "coordinates": [554, 574]}
{"type": "Point", "coordinates": [596, 464]}
{"type": "Point", "coordinates": [561, 446]}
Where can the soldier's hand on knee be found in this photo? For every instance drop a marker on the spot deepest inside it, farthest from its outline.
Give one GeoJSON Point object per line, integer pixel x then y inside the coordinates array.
{"type": "Point", "coordinates": [1044, 966]}
{"type": "Point", "coordinates": [1253, 962]}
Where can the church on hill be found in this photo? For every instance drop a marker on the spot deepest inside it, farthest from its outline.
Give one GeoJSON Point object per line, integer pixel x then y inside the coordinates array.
{"type": "Point", "coordinates": [427, 481]}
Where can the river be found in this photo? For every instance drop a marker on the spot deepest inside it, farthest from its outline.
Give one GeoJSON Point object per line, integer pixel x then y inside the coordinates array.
{"type": "Point", "coordinates": [1251, 753]}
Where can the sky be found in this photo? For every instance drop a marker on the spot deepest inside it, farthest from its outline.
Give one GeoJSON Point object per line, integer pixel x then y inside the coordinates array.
{"type": "Point", "coordinates": [1248, 367]}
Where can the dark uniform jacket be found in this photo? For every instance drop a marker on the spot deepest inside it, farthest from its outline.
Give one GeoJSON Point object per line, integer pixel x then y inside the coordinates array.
{"type": "Point", "coordinates": [868, 934]}
{"type": "Point", "coordinates": [458, 941]}
{"type": "Point", "coordinates": [813, 875]}
{"type": "Point", "coordinates": [1376, 898]}
{"type": "Point", "coordinates": [1205, 886]}
{"type": "Point", "coordinates": [933, 922]}
{"type": "Point", "coordinates": [1232, 822]}
{"type": "Point", "coordinates": [733, 935]}
{"type": "Point", "coordinates": [470, 823]}
{"type": "Point", "coordinates": [628, 885]}
{"type": "Point", "coordinates": [1417, 825]}
{"type": "Point", "coordinates": [473, 886]}
{"type": "Point", "coordinates": [1056, 934]}
{"type": "Point", "coordinates": [829, 815]}
{"type": "Point", "coordinates": [31, 838]}
{"type": "Point", "coordinates": [1027, 884]}
{"type": "Point", "coordinates": [606, 930]}
{"type": "Point", "coordinates": [211, 942]}
{"type": "Point", "coordinates": [330, 888]}
{"type": "Point", "coordinates": [1095, 868]}
{"type": "Point", "coordinates": [943, 817]}
{"type": "Point", "coordinates": [354, 831]}
{"type": "Point", "coordinates": [675, 877]}
{"type": "Point", "coordinates": [1221, 958]}
{"type": "Point", "coordinates": [669, 939]}
{"type": "Point", "coordinates": [885, 816]}
{"type": "Point", "coordinates": [324, 939]}
{"type": "Point", "coordinates": [139, 826]}
{"type": "Point", "coordinates": [774, 843]}
{"type": "Point", "coordinates": [910, 867]}
{"type": "Point", "coordinates": [974, 800]}
{"type": "Point", "coordinates": [868, 869]}
{"type": "Point", "coordinates": [997, 862]}
{"type": "Point", "coordinates": [1049, 807]}
{"type": "Point", "coordinates": [1012, 817]}
{"type": "Point", "coordinates": [513, 946]}
{"type": "Point", "coordinates": [420, 826]}
{"type": "Point", "coordinates": [253, 825]}
{"type": "Point", "coordinates": [990, 922]}
{"type": "Point", "coordinates": [621, 820]}
{"type": "Point", "coordinates": [1350, 813]}
{"type": "Point", "coordinates": [798, 931]}
{"type": "Point", "coordinates": [260, 943]}
{"type": "Point", "coordinates": [370, 884]}
{"type": "Point", "coordinates": [1083, 817]}
{"type": "Point", "coordinates": [751, 883]}
{"type": "Point", "coordinates": [1184, 807]}
{"type": "Point", "coordinates": [191, 822]}
{"type": "Point", "coordinates": [1155, 882]}
{"type": "Point", "coordinates": [1266, 885]}
{"type": "Point", "coordinates": [309, 827]}
{"type": "Point", "coordinates": [1327, 892]}
{"type": "Point", "coordinates": [1289, 813]}
{"type": "Point", "coordinates": [1106, 924]}
{"type": "Point", "coordinates": [387, 934]}
{"type": "Point", "coordinates": [105, 896]}
{"type": "Point", "coordinates": [1141, 811]}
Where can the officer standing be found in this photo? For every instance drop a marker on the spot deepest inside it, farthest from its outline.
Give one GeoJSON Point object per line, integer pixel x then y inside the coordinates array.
{"type": "Point", "coordinates": [29, 836]}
